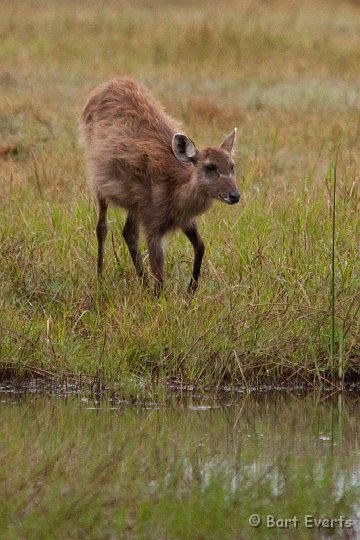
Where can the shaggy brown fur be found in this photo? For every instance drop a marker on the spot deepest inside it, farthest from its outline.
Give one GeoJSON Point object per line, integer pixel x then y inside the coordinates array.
{"type": "Point", "coordinates": [137, 159]}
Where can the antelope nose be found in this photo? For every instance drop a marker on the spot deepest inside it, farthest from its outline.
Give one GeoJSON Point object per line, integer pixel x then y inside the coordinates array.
{"type": "Point", "coordinates": [234, 196]}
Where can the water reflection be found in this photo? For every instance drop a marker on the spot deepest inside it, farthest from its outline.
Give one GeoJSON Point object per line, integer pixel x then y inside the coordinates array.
{"type": "Point", "coordinates": [277, 453]}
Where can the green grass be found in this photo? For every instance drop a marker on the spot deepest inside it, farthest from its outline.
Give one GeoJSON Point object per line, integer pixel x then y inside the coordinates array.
{"type": "Point", "coordinates": [287, 76]}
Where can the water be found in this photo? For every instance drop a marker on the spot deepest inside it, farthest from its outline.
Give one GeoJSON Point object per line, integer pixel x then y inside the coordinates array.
{"type": "Point", "coordinates": [75, 467]}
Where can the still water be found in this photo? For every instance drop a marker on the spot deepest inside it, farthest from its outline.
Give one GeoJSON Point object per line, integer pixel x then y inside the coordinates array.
{"type": "Point", "coordinates": [275, 465]}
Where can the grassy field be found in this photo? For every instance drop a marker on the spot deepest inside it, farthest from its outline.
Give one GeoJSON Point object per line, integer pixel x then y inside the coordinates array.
{"type": "Point", "coordinates": [286, 74]}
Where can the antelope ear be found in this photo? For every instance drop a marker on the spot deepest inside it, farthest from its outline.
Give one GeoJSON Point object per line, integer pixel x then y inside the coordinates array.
{"type": "Point", "coordinates": [184, 149]}
{"type": "Point", "coordinates": [229, 142]}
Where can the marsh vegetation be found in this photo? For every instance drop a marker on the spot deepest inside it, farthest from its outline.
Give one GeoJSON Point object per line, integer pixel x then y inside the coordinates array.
{"type": "Point", "coordinates": [286, 74]}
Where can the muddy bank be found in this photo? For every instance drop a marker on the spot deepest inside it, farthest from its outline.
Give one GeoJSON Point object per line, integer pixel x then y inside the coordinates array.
{"type": "Point", "coordinates": [40, 381]}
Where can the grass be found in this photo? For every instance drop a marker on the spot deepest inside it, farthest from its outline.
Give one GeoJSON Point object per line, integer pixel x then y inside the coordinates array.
{"type": "Point", "coordinates": [333, 257]}
{"type": "Point", "coordinates": [287, 76]}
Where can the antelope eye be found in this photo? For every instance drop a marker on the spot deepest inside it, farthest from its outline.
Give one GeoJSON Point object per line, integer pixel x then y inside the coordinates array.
{"type": "Point", "coordinates": [232, 168]}
{"type": "Point", "coordinates": [210, 167]}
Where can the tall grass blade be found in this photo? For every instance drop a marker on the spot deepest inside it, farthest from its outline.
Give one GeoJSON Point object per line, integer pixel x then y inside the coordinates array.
{"type": "Point", "coordinates": [333, 262]}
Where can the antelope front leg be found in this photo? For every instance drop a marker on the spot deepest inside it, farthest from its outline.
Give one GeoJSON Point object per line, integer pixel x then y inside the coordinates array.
{"type": "Point", "coordinates": [156, 258]}
{"type": "Point", "coordinates": [193, 235]}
